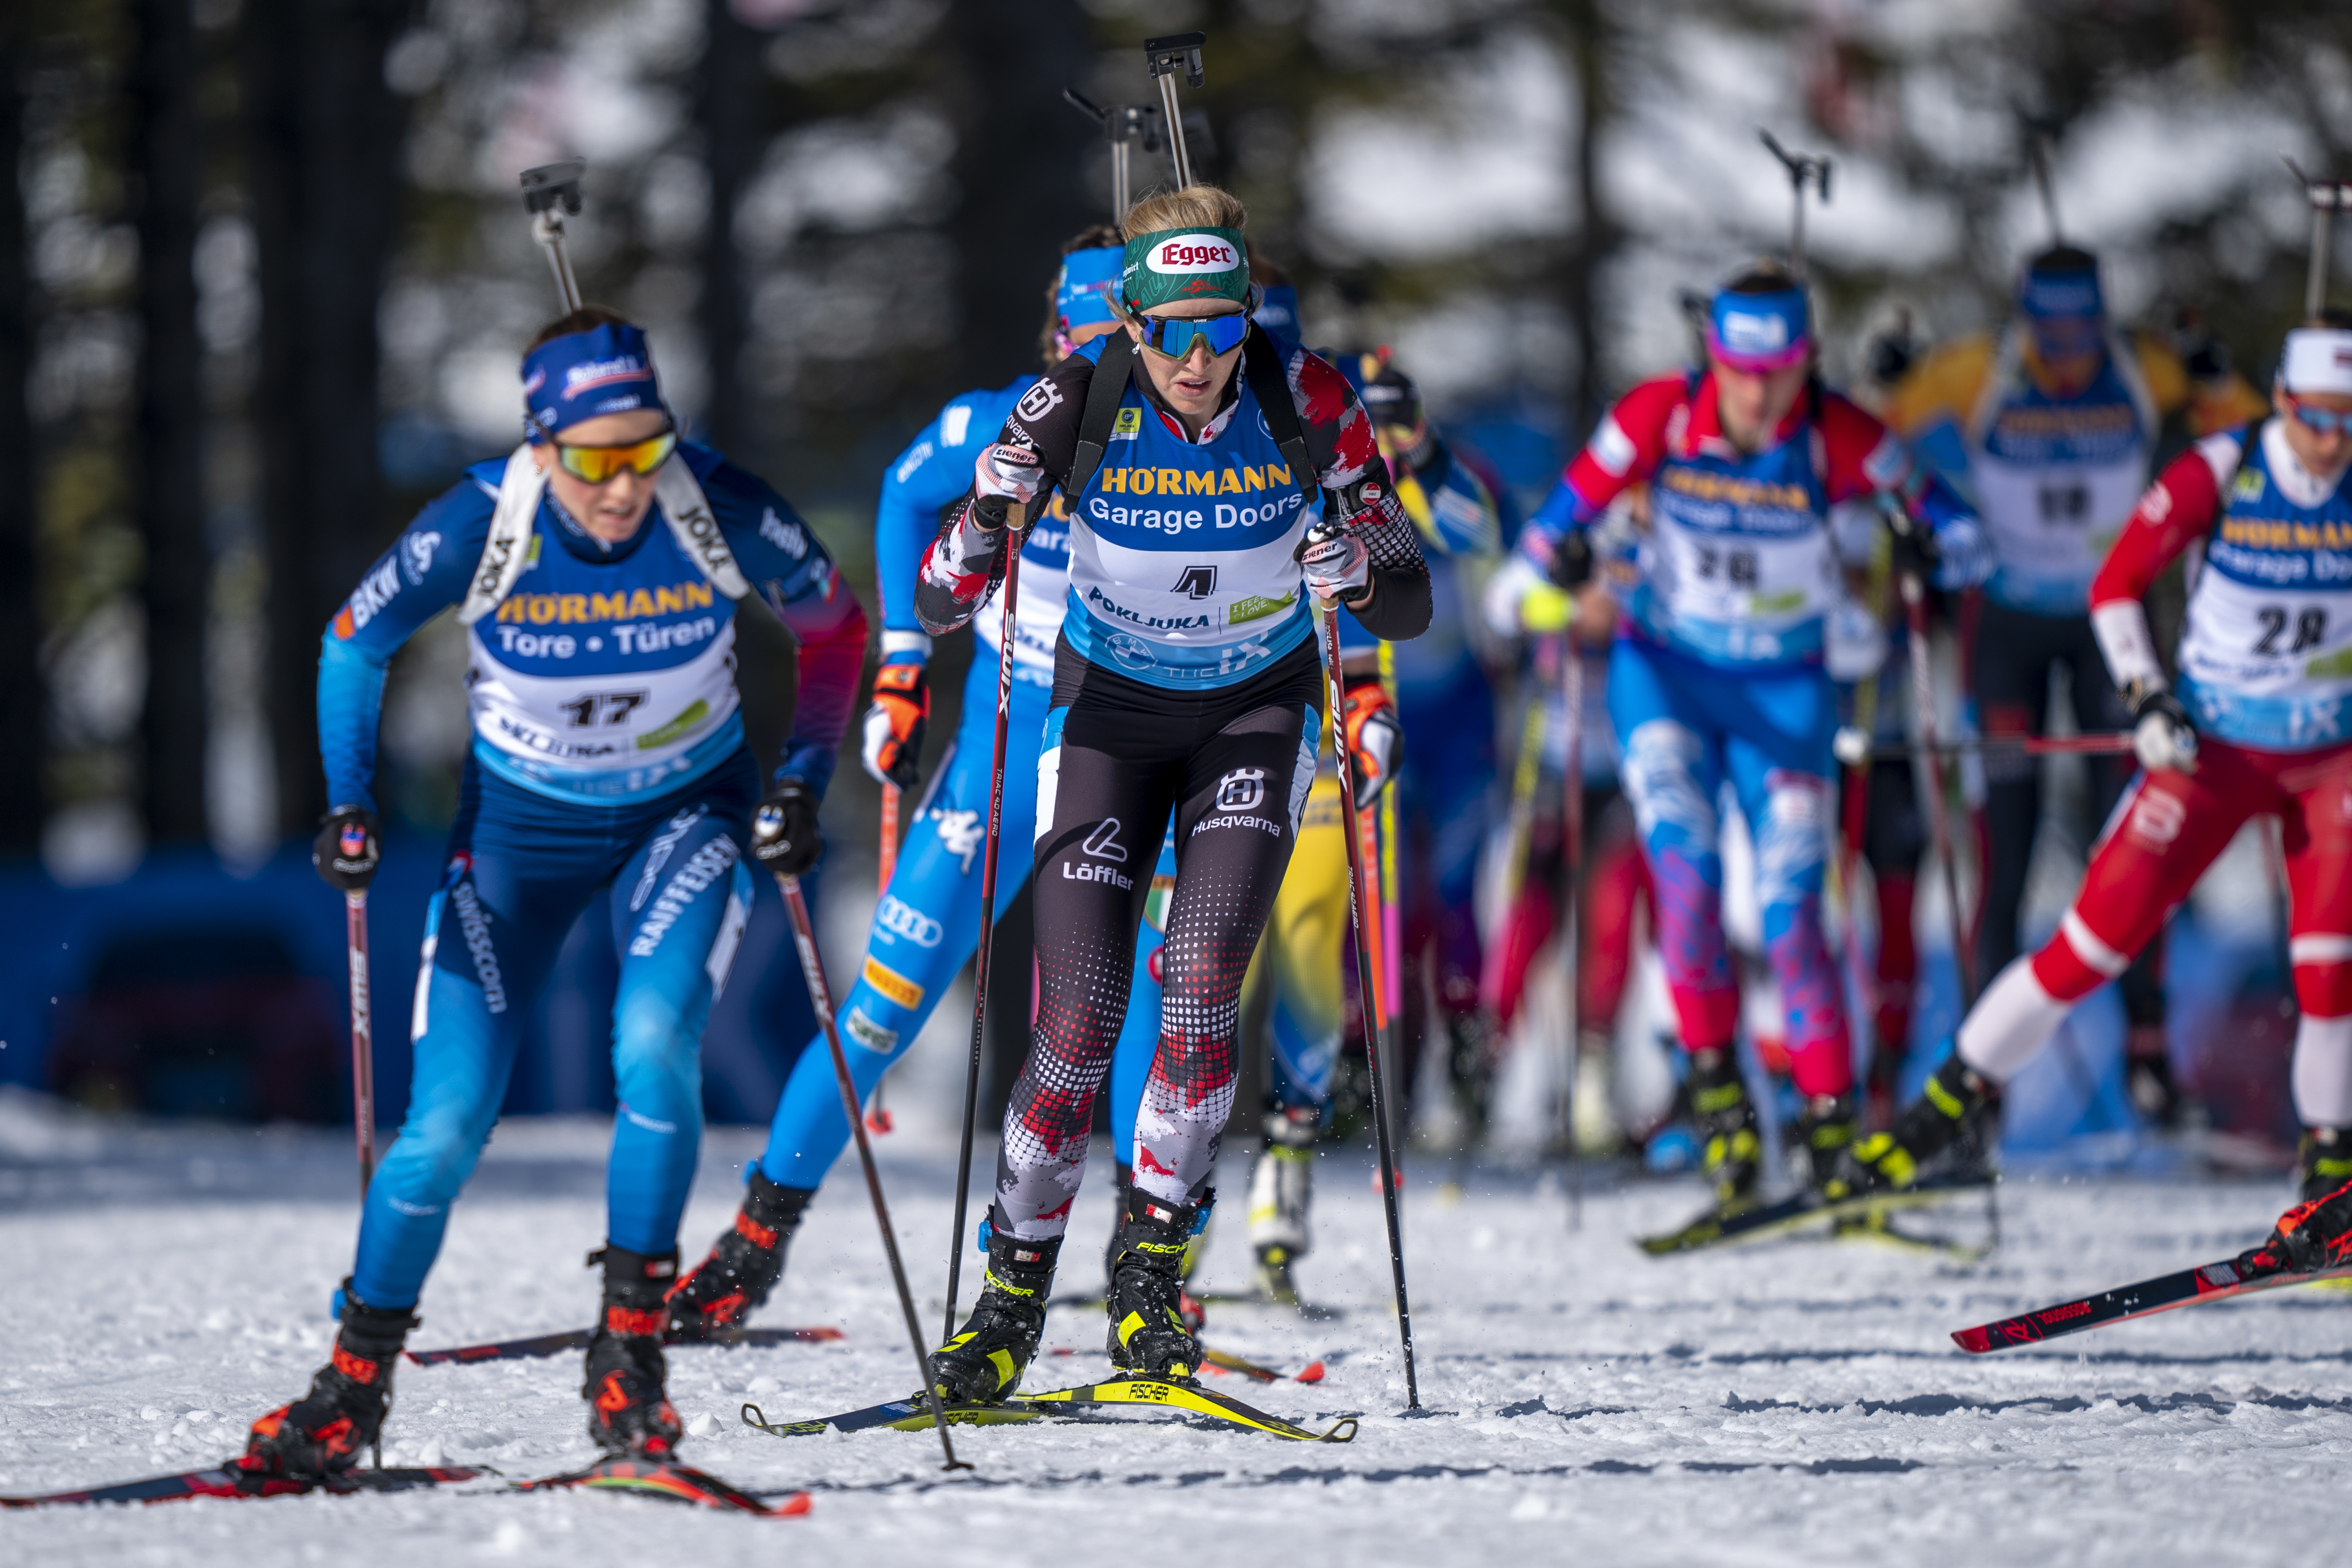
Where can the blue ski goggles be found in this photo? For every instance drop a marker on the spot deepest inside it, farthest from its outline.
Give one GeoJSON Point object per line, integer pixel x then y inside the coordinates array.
{"type": "Point", "coordinates": [1174, 337]}
{"type": "Point", "coordinates": [2326, 421]}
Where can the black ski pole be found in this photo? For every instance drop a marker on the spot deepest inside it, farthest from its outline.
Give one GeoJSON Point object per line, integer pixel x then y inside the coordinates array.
{"type": "Point", "coordinates": [1571, 830]}
{"type": "Point", "coordinates": [1368, 931]}
{"type": "Point", "coordinates": [1923, 716]}
{"type": "Point", "coordinates": [1016, 527]}
{"type": "Point", "coordinates": [821, 994]}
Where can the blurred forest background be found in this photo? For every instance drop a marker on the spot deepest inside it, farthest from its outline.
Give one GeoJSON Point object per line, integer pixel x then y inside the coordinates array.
{"type": "Point", "coordinates": [263, 276]}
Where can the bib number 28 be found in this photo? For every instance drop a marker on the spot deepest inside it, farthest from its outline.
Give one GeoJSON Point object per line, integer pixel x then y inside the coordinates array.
{"type": "Point", "coordinates": [2310, 629]}
{"type": "Point", "coordinates": [1736, 566]}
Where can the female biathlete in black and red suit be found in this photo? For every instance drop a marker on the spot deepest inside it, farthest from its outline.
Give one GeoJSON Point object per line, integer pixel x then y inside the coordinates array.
{"type": "Point", "coordinates": [1185, 681]}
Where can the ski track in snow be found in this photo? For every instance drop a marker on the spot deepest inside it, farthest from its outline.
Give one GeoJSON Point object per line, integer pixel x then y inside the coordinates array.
{"type": "Point", "coordinates": [1794, 1402]}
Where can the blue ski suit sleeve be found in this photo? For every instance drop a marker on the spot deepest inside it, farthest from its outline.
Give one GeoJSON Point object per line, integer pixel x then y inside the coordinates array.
{"type": "Point", "coordinates": [921, 482]}
{"type": "Point", "coordinates": [425, 573]}
{"type": "Point", "coordinates": [790, 568]}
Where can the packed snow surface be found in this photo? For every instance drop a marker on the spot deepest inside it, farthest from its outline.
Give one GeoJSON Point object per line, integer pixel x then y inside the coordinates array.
{"type": "Point", "coordinates": [1792, 1402]}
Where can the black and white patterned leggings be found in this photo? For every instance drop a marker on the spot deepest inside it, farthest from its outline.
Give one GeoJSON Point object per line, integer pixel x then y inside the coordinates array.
{"type": "Point", "coordinates": [1234, 765]}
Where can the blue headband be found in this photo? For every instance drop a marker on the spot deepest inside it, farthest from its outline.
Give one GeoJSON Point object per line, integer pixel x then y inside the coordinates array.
{"type": "Point", "coordinates": [2074, 292]}
{"type": "Point", "coordinates": [1278, 311]}
{"type": "Point", "coordinates": [605, 370]}
{"type": "Point", "coordinates": [1759, 332]}
{"type": "Point", "coordinates": [1089, 280]}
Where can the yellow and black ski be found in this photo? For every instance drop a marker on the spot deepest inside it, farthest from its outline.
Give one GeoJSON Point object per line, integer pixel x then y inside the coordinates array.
{"type": "Point", "coordinates": [1717, 1228]}
{"type": "Point", "coordinates": [1091, 1402]}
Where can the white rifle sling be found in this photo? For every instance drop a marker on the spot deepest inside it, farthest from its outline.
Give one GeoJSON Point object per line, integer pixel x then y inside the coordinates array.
{"type": "Point", "coordinates": [696, 527]}
{"type": "Point", "coordinates": [507, 551]}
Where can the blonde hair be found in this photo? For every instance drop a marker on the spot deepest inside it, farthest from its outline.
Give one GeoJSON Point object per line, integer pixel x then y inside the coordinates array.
{"type": "Point", "coordinates": [1193, 207]}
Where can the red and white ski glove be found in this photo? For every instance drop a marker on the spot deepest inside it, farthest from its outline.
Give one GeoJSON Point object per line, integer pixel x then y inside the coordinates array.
{"type": "Point", "coordinates": [1002, 475]}
{"type": "Point", "coordinates": [891, 742]}
{"type": "Point", "coordinates": [1337, 565]}
{"type": "Point", "coordinates": [1367, 721]}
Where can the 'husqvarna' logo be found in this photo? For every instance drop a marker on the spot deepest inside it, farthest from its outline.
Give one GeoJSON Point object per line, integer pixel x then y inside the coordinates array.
{"type": "Point", "coordinates": [1242, 790]}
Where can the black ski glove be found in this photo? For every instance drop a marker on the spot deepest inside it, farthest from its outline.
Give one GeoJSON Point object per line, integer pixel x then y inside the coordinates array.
{"type": "Point", "coordinates": [1571, 561]}
{"type": "Point", "coordinates": [1915, 554]}
{"type": "Point", "coordinates": [347, 849]}
{"type": "Point", "coordinates": [783, 831]}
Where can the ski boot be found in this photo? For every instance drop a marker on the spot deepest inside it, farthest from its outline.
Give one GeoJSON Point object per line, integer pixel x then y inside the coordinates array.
{"type": "Point", "coordinates": [2324, 1161]}
{"type": "Point", "coordinates": [1281, 1184]}
{"type": "Point", "coordinates": [629, 1411]}
{"type": "Point", "coordinates": [1149, 1336]}
{"type": "Point", "coordinates": [982, 1364]}
{"type": "Point", "coordinates": [1953, 1109]}
{"type": "Point", "coordinates": [2314, 1234]}
{"type": "Point", "coordinates": [1730, 1148]}
{"type": "Point", "coordinates": [327, 1430]}
{"type": "Point", "coordinates": [713, 1302]}
{"type": "Point", "coordinates": [1825, 1130]}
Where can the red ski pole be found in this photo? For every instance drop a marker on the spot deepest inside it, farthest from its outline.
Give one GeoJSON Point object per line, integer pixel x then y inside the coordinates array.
{"type": "Point", "coordinates": [363, 1036]}
{"type": "Point", "coordinates": [1362, 906]}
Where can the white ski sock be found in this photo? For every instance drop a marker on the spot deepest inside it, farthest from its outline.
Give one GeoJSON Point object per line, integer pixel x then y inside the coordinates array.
{"type": "Point", "coordinates": [2323, 1072]}
{"type": "Point", "coordinates": [2011, 1022]}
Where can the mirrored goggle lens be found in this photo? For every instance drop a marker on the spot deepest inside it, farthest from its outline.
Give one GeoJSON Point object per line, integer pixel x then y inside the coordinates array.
{"type": "Point", "coordinates": [598, 464]}
{"type": "Point", "coordinates": [1175, 337]}
{"type": "Point", "coordinates": [2325, 420]}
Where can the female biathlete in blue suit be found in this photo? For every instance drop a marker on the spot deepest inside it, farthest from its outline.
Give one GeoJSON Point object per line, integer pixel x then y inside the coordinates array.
{"type": "Point", "coordinates": [927, 922]}
{"type": "Point", "coordinates": [1185, 682]}
{"type": "Point", "coordinates": [596, 571]}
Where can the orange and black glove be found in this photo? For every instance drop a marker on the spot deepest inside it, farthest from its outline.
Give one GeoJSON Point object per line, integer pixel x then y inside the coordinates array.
{"type": "Point", "coordinates": [891, 744]}
{"type": "Point", "coordinates": [1367, 721]}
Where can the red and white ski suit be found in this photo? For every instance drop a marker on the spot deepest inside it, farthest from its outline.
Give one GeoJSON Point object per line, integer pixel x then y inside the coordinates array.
{"type": "Point", "coordinates": [2265, 669]}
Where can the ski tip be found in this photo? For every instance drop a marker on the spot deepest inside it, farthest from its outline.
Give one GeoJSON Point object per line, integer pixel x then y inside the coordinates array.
{"type": "Point", "coordinates": [794, 1506]}
{"type": "Point", "coordinates": [1312, 1373]}
{"type": "Point", "coordinates": [1976, 1341]}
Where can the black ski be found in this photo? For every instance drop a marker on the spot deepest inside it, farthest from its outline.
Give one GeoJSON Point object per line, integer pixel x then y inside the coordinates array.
{"type": "Point", "coordinates": [1715, 1227]}
{"type": "Point", "coordinates": [227, 1481]}
{"type": "Point", "coordinates": [678, 1483]}
{"type": "Point", "coordinates": [1080, 1403]}
{"type": "Point", "coordinates": [577, 1338]}
{"type": "Point", "coordinates": [2215, 1281]}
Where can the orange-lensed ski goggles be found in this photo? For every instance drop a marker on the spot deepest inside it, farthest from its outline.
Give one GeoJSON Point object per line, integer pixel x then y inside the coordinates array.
{"type": "Point", "coordinates": [596, 465]}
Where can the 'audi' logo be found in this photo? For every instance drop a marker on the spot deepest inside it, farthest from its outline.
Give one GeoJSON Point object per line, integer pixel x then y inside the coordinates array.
{"type": "Point", "coordinates": [902, 919]}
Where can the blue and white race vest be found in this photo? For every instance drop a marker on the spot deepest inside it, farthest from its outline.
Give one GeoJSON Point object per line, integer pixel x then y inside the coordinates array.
{"type": "Point", "coordinates": [1183, 558]}
{"type": "Point", "coordinates": [2266, 657]}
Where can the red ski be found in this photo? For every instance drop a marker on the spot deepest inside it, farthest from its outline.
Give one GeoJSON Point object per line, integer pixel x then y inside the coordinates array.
{"type": "Point", "coordinates": [577, 1338]}
{"type": "Point", "coordinates": [226, 1480]}
{"type": "Point", "coordinates": [2189, 1288]}
{"type": "Point", "coordinates": [679, 1484]}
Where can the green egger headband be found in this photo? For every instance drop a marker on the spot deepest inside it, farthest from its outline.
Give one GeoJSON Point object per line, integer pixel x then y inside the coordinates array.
{"type": "Point", "coordinates": [1186, 263]}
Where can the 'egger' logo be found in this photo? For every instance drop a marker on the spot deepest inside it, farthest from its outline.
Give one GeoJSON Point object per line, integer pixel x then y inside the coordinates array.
{"type": "Point", "coordinates": [1194, 253]}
